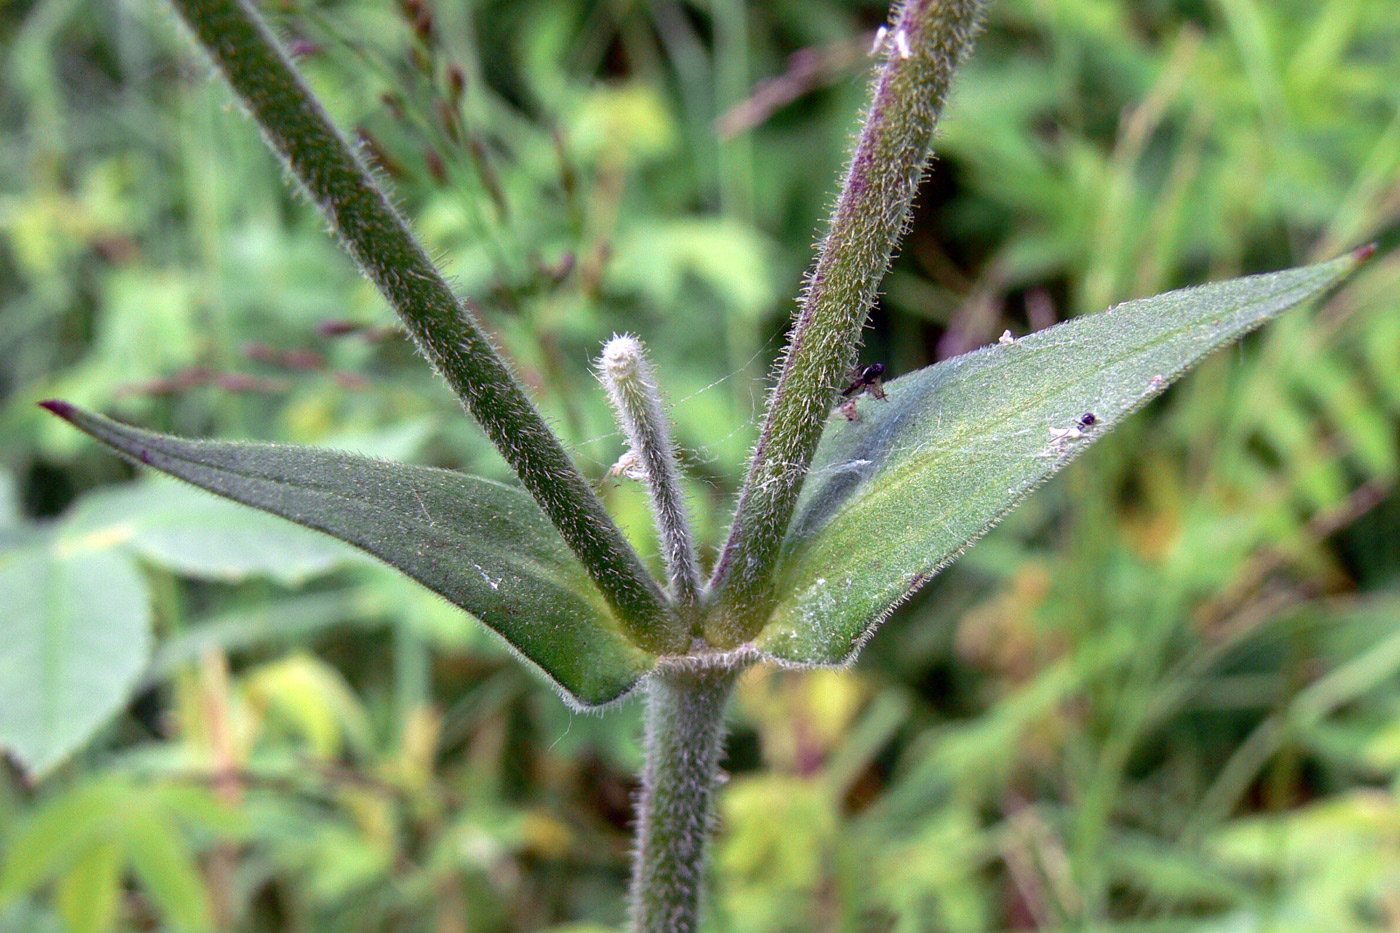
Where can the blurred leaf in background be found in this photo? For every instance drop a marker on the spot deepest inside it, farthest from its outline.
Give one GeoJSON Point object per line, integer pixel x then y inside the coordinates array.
{"type": "Point", "coordinates": [1161, 695]}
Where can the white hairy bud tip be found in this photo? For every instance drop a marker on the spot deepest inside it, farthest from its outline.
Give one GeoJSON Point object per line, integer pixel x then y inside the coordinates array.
{"type": "Point", "coordinates": [622, 356]}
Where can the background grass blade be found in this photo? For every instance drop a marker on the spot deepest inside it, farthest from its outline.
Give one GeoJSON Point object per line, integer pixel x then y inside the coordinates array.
{"type": "Point", "coordinates": [918, 478]}
{"type": "Point", "coordinates": [483, 546]}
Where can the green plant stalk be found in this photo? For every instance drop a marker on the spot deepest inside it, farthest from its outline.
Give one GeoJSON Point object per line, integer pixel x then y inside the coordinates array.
{"type": "Point", "coordinates": [929, 39]}
{"type": "Point", "coordinates": [636, 398]}
{"type": "Point", "coordinates": [684, 735]}
{"type": "Point", "coordinates": [442, 326]}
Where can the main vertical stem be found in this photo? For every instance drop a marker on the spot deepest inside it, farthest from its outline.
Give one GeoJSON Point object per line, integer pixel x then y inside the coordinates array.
{"type": "Point", "coordinates": [927, 41]}
{"type": "Point", "coordinates": [684, 735]}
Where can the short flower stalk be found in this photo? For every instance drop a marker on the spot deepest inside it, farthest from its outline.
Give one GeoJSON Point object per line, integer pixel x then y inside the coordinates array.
{"type": "Point", "coordinates": [636, 399]}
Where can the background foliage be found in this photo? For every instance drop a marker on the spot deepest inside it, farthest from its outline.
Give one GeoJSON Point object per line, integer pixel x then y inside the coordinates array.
{"type": "Point", "coordinates": [1161, 696]}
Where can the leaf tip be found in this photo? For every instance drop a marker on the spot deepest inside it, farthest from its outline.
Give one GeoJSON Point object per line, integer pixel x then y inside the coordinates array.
{"type": "Point", "coordinates": [1363, 253]}
{"type": "Point", "coordinates": [59, 407]}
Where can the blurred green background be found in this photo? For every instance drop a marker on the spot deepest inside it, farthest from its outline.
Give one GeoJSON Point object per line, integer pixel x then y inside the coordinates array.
{"type": "Point", "coordinates": [1164, 695]}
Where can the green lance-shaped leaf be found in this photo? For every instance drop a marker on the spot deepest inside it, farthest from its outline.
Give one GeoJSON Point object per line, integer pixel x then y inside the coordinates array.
{"type": "Point", "coordinates": [483, 546]}
{"type": "Point", "coordinates": [897, 494]}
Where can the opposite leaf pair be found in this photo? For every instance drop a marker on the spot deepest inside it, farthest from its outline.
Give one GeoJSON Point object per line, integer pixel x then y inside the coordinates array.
{"type": "Point", "coordinates": [890, 498]}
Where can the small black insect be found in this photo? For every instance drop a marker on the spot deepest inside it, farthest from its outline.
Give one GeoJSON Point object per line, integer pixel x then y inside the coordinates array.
{"type": "Point", "coordinates": [1086, 420]}
{"type": "Point", "coordinates": [863, 381]}
{"type": "Point", "coordinates": [867, 380]}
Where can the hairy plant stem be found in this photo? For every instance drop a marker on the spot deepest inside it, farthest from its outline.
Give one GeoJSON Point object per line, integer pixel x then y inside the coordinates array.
{"type": "Point", "coordinates": [636, 398]}
{"type": "Point", "coordinates": [684, 735]}
{"type": "Point", "coordinates": [922, 50]}
{"type": "Point", "coordinates": [443, 327]}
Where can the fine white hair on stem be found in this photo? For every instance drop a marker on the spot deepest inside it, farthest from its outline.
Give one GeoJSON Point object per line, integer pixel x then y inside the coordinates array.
{"type": "Point", "coordinates": [632, 388]}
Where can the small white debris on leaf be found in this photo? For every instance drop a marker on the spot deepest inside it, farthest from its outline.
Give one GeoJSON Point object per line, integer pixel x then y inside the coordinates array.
{"type": "Point", "coordinates": [1062, 438]}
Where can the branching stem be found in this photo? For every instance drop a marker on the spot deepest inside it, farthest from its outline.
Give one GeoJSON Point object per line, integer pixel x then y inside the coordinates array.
{"type": "Point", "coordinates": [922, 50]}
{"type": "Point", "coordinates": [442, 326]}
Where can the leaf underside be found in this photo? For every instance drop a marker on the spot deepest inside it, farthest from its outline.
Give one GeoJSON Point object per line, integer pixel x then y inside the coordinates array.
{"type": "Point", "coordinates": [77, 630]}
{"type": "Point", "coordinates": [899, 493]}
{"type": "Point", "coordinates": [482, 546]}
